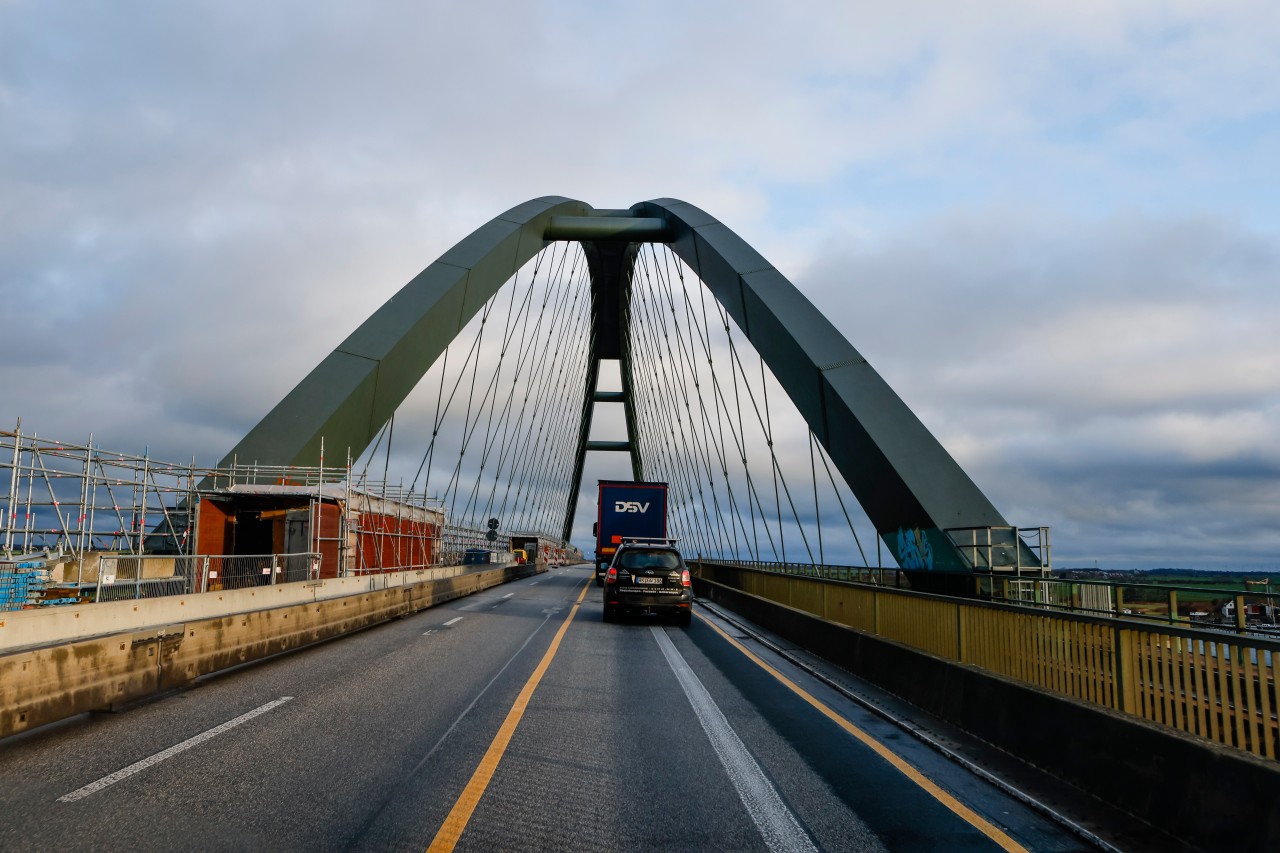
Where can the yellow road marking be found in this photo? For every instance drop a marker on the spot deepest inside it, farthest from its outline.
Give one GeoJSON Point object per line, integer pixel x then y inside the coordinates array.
{"type": "Point", "coordinates": [451, 830]}
{"type": "Point", "coordinates": [960, 809]}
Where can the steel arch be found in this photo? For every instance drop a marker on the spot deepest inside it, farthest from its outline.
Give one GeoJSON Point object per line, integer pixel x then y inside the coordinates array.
{"type": "Point", "coordinates": [909, 486]}
{"type": "Point", "coordinates": [347, 397]}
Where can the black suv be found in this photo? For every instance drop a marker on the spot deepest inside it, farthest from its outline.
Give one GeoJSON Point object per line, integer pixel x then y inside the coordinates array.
{"type": "Point", "coordinates": [647, 577]}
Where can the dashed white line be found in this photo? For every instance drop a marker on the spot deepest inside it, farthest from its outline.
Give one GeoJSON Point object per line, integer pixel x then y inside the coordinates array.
{"type": "Point", "coordinates": [508, 595]}
{"type": "Point", "coordinates": [139, 766]}
{"type": "Point", "coordinates": [777, 825]}
{"type": "Point", "coordinates": [452, 621]}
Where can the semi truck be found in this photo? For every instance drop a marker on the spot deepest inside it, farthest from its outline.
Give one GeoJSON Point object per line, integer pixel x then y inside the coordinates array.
{"type": "Point", "coordinates": [627, 509]}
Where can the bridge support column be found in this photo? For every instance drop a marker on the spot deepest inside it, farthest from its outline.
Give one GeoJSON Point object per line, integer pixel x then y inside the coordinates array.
{"type": "Point", "coordinates": [610, 265]}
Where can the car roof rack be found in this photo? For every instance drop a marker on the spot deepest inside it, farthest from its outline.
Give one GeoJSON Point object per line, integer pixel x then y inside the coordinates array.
{"type": "Point", "coordinates": [648, 540]}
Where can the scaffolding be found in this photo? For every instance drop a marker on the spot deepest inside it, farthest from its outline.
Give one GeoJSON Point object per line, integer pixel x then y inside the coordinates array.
{"type": "Point", "coordinates": [71, 499]}
{"type": "Point", "coordinates": [80, 523]}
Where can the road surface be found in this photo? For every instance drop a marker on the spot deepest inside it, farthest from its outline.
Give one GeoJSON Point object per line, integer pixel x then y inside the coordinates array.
{"type": "Point", "coordinates": [515, 719]}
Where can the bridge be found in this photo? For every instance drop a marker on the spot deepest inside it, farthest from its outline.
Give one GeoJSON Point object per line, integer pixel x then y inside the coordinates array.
{"type": "Point", "coordinates": [880, 660]}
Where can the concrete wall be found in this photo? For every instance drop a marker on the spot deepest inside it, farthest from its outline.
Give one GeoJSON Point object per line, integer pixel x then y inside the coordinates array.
{"type": "Point", "coordinates": [44, 626]}
{"type": "Point", "coordinates": [1211, 796]}
{"type": "Point", "coordinates": [129, 650]}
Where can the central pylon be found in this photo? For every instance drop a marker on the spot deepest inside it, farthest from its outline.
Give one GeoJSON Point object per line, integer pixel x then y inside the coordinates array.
{"type": "Point", "coordinates": [611, 262]}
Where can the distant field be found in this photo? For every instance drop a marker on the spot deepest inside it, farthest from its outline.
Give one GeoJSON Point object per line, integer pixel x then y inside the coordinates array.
{"type": "Point", "coordinates": [1235, 581]}
{"type": "Point", "coordinates": [1217, 586]}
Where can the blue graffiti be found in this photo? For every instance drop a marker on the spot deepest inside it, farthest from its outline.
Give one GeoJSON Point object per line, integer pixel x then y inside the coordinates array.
{"type": "Point", "coordinates": [914, 549]}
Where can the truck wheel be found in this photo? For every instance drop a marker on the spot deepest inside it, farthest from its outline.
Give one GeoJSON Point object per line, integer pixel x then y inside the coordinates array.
{"type": "Point", "coordinates": [599, 581]}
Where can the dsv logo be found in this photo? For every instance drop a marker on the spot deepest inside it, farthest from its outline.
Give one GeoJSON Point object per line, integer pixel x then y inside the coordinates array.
{"type": "Point", "coordinates": [631, 506]}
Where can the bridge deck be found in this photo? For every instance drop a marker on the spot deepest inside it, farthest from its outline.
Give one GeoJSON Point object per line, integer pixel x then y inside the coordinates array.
{"type": "Point", "coordinates": [627, 742]}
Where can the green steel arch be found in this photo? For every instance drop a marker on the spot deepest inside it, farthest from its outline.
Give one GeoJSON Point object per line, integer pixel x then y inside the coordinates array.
{"type": "Point", "coordinates": [347, 397]}
{"type": "Point", "coordinates": [910, 487]}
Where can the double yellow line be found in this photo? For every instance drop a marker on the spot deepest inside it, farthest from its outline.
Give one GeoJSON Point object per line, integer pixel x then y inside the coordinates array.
{"type": "Point", "coordinates": [460, 815]}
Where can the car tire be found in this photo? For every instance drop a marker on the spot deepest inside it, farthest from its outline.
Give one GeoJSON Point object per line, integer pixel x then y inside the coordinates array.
{"type": "Point", "coordinates": [609, 615]}
{"type": "Point", "coordinates": [599, 581]}
{"type": "Point", "coordinates": [684, 619]}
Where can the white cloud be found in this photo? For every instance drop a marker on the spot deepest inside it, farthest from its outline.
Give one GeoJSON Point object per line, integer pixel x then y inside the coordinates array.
{"type": "Point", "coordinates": [1051, 226]}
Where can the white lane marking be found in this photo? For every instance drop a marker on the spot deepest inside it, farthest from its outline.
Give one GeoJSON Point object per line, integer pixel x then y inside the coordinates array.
{"type": "Point", "coordinates": [452, 621]}
{"type": "Point", "coordinates": [139, 766]}
{"type": "Point", "coordinates": [778, 826]}
{"type": "Point", "coordinates": [508, 595]}
{"type": "Point", "coordinates": [535, 583]}
{"type": "Point", "coordinates": [428, 633]}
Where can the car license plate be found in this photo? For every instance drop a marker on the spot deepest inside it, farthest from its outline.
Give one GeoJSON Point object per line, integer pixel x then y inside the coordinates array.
{"type": "Point", "coordinates": [649, 581]}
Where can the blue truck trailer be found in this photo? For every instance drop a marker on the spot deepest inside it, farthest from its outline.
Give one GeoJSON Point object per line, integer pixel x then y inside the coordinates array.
{"type": "Point", "coordinates": [627, 509]}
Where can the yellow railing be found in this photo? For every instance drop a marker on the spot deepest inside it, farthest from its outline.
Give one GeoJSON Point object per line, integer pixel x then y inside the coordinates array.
{"type": "Point", "coordinates": [1218, 686]}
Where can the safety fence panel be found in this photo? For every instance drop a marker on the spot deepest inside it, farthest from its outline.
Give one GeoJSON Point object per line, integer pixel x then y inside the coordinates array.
{"type": "Point", "coordinates": [242, 572]}
{"type": "Point", "coordinates": [124, 577]}
{"type": "Point", "coordinates": [1219, 686]}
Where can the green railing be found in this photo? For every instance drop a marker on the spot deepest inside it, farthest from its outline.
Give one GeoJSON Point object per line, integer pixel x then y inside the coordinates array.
{"type": "Point", "coordinates": [1242, 611]}
{"type": "Point", "coordinates": [1187, 605]}
{"type": "Point", "coordinates": [1216, 685]}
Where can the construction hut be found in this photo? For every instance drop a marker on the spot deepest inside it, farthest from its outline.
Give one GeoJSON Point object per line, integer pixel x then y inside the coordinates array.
{"type": "Point", "coordinates": [349, 532]}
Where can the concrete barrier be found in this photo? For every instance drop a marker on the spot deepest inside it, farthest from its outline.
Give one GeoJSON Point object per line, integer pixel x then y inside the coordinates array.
{"type": "Point", "coordinates": [41, 684]}
{"type": "Point", "coordinates": [1211, 796]}
{"type": "Point", "coordinates": [48, 625]}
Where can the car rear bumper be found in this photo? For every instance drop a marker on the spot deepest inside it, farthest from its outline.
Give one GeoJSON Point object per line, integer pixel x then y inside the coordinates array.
{"type": "Point", "coordinates": [626, 598]}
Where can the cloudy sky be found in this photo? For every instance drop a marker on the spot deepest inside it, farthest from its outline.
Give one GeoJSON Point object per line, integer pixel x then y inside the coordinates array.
{"type": "Point", "coordinates": [1053, 227]}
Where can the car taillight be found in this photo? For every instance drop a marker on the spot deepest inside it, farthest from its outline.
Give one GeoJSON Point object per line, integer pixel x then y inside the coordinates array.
{"type": "Point", "coordinates": [612, 576]}
{"type": "Point", "coordinates": [684, 578]}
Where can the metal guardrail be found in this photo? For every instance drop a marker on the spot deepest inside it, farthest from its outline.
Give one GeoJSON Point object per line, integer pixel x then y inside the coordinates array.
{"type": "Point", "coordinates": [1214, 608]}
{"type": "Point", "coordinates": [1225, 688]}
{"type": "Point", "coordinates": [878, 575]}
{"type": "Point", "coordinates": [1184, 605]}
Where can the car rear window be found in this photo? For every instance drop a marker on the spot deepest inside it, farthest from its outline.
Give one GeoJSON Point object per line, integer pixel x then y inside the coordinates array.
{"type": "Point", "coordinates": [649, 560]}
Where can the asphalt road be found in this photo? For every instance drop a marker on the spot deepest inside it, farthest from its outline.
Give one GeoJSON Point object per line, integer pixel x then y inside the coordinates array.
{"type": "Point", "coordinates": [511, 720]}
